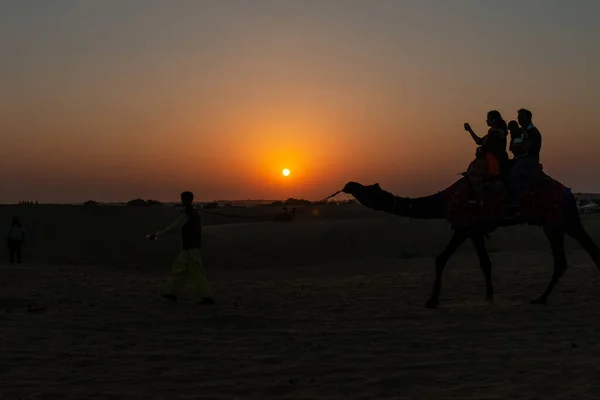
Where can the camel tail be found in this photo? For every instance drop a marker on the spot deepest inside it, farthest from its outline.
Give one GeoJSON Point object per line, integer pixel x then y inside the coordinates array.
{"type": "Point", "coordinates": [574, 223]}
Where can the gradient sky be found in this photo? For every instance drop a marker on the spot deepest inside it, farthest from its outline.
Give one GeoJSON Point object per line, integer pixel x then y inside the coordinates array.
{"type": "Point", "coordinates": [116, 99]}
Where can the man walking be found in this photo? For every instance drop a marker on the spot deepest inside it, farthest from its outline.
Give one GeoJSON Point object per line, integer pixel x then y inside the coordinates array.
{"type": "Point", "coordinates": [188, 265]}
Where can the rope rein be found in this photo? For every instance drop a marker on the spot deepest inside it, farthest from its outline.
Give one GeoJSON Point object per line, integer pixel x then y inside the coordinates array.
{"type": "Point", "coordinates": [270, 217]}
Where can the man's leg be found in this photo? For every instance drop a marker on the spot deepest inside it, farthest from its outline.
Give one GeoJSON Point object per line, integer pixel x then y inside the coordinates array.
{"type": "Point", "coordinates": [516, 175]}
{"type": "Point", "coordinates": [198, 277]}
{"type": "Point", "coordinates": [179, 274]}
{"type": "Point", "coordinates": [11, 251]}
{"type": "Point", "coordinates": [522, 167]}
{"type": "Point", "coordinates": [18, 251]}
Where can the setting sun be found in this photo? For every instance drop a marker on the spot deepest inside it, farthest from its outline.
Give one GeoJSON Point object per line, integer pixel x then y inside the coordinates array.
{"type": "Point", "coordinates": [286, 172]}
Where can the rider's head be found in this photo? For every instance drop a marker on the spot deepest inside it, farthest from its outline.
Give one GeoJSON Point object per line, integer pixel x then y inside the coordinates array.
{"type": "Point", "coordinates": [524, 116]}
{"type": "Point", "coordinates": [495, 120]}
{"type": "Point", "coordinates": [187, 198]}
{"type": "Point", "coordinates": [493, 117]}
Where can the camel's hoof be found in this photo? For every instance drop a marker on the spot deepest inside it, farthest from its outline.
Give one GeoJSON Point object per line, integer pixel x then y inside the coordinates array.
{"type": "Point", "coordinates": [539, 301]}
{"type": "Point", "coordinates": [489, 302]}
{"type": "Point", "coordinates": [432, 303]}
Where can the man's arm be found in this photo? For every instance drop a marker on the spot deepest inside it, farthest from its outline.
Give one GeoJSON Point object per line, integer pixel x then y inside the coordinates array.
{"type": "Point", "coordinates": [530, 141]}
{"type": "Point", "coordinates": [521, 147]}
{"type": "Point", "coordinates": [179, 222]}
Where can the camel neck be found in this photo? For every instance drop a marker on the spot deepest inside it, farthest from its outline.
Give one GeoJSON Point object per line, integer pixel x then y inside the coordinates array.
{"type": "Point", "coordinates": [428, 207]}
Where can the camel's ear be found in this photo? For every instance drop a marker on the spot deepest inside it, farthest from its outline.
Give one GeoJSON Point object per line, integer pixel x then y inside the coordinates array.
{"type": "Point", "coordinates": [377, 186]}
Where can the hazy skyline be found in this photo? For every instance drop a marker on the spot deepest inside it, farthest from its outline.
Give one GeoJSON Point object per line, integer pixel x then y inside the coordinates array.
{"type": "Point", "coordinates": [112, 100]}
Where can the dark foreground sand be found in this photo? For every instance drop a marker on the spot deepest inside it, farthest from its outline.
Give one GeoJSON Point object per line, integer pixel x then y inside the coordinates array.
{"type": "Point", "coordinates": [352, 326]}
{"type": "Point", "coordinates": [351, 330]}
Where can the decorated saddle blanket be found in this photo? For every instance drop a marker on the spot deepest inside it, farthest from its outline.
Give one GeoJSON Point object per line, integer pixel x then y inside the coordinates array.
{"type": "Point", "coordinates": [543, 200]}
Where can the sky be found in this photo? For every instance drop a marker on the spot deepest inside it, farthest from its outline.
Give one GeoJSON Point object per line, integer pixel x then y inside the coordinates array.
{"type": "Point", "coordinates": [113, 100]}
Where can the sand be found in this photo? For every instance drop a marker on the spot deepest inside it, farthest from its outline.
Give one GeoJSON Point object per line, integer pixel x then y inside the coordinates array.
{"type": "Point", "coordinates": [301, 317]}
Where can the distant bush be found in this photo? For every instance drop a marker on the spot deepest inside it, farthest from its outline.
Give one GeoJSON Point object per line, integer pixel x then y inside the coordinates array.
{"type": "Point", "coordinates": [297, 202]}
{"type": "Point", "coordinates": [153, 203]}
{"type": "Point", "coordinates": [90, 203]}
{"type": "Point", "coordinates": [136, 202]}
{"type": "Point", "coordinates": [277, 203]}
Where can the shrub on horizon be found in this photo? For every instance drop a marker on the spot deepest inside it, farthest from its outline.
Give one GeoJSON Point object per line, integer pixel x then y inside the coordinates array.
{"type": "Point", "coordinates": [136, 202]}
{"type": "Point", "coordinates": [297, 202]}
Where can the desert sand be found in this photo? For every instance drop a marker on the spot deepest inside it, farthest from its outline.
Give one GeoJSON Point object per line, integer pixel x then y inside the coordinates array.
{"type": "Point", "coordinates": [326, 307]}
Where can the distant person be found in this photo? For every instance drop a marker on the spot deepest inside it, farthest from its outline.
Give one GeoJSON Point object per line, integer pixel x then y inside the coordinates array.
{"type": "Point", "coordinates": [285, 215]}
{"type": "Point", "coordinates": [491, 157]}
{"type": "Point", "coordinates": [15, 239]}
{"type": "Point", "coordinates": [188, 265]}
{"type": "Point", "coordinates": [528, 160]}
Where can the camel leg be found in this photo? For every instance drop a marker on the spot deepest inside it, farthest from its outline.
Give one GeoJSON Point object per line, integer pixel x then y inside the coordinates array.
{"type": "Point", "coordinates": [486, 265]}
{"type": "Point", "coordinates": [458, 238]}
{"type": "Point", "coordinates": [578, 233]}
{"type": "Point", "coordinates": [557, 242]}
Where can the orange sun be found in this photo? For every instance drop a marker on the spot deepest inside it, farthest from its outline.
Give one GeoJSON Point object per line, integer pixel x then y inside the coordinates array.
{"type": "Point", "coordinates": [286, 172]}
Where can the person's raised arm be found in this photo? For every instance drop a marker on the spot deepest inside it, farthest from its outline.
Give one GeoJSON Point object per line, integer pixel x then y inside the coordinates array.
{"type": "Point", "coordinates": [179, 222]}
{"type": "Point", "coordinates": [476, 138]}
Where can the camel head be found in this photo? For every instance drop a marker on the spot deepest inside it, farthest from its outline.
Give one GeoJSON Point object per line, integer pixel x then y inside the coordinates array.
{"type": "Point", "coordinates": [371, 196]}
{"type": "Point", "coordinates": [356, 188]}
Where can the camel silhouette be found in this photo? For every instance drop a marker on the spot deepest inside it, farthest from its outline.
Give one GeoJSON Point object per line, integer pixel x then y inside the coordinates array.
{"type": "Point", "coordinates": [547, 204]}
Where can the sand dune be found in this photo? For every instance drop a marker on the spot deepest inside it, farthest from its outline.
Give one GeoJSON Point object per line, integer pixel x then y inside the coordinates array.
{"type": "Point", "coordinates": [318, 308]}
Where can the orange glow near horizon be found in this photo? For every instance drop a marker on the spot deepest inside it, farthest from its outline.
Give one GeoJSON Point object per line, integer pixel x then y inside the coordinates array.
{"type": "Point", "coordinates": [363, 91]}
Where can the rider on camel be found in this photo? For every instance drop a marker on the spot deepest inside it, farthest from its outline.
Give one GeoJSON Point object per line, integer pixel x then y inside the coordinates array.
{"type": "Point", "coordinates": [526, 157]}
{"type": "Point", "coordinates": [491, 159]}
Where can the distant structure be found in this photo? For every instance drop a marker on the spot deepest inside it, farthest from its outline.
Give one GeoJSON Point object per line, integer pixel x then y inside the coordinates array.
{"type": "Point", "coordinates": [211, 206]}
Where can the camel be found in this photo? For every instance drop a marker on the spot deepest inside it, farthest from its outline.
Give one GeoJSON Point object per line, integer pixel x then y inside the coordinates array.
{"type": "Point", "coordinates": [549, 205]}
